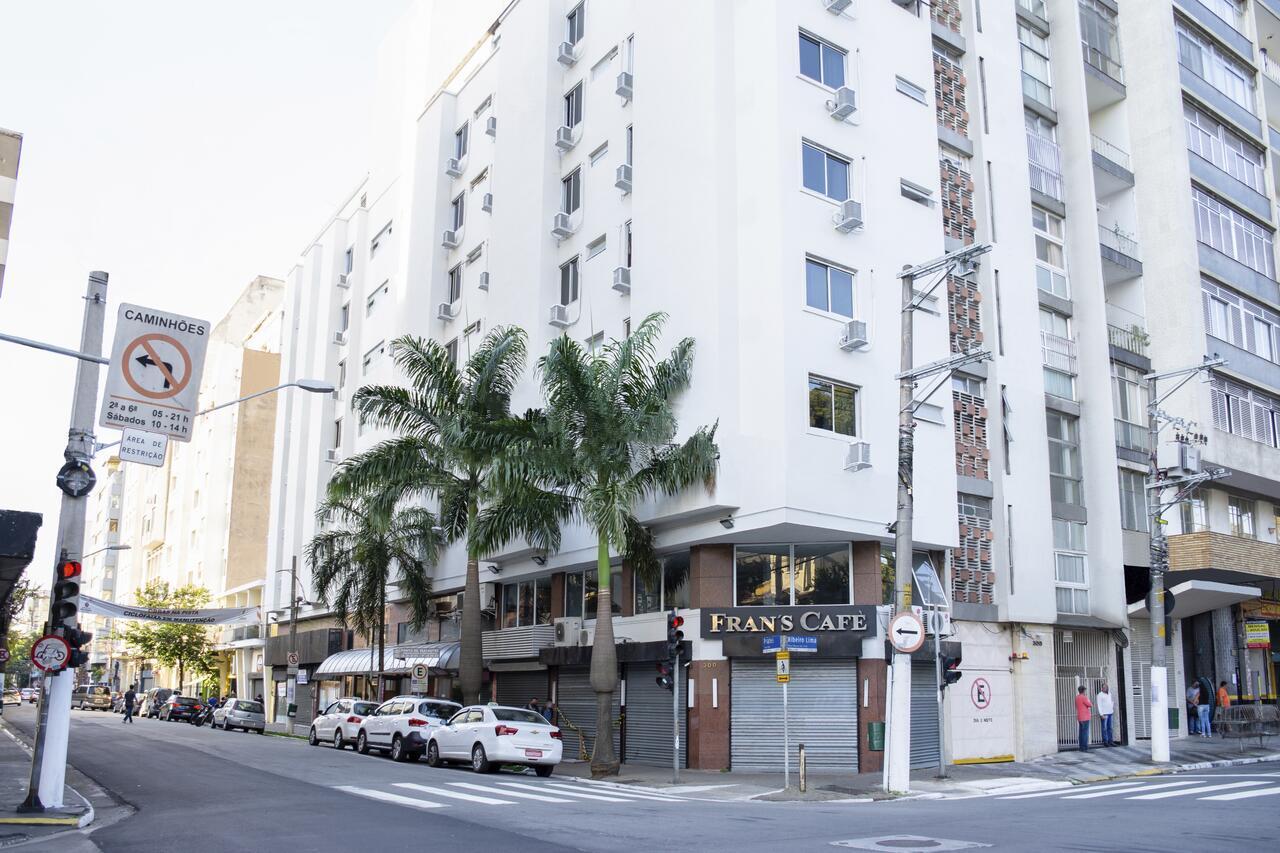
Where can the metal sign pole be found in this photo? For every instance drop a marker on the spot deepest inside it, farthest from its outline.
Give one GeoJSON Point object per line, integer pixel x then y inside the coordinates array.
{"type": "Point", "coordinates": [786, 741]}
{"type": "Point", "coordinates": [675, 719]}
{"type": "Point", "coordinates": [942, 726]}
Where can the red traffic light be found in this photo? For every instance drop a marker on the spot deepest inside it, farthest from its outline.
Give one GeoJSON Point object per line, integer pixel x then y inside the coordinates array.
{"type": "Point", "coordinates": [69, 569]}
{"type": "Point", "coordinates": [677, 621]}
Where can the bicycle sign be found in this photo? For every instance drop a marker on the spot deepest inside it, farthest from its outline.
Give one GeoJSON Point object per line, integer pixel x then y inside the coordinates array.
{"type": "Point", "coordinates": [51, 653]}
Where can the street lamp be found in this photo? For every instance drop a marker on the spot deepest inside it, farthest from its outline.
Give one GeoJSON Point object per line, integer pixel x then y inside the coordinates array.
{"type": "Point", "coordinates": [108, 548]}
{"type": "Point", "coordinates": [315, 386]}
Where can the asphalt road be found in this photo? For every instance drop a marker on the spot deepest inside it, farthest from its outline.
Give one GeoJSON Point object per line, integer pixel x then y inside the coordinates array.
{"type": "Point", "coordinates": [230, 791]}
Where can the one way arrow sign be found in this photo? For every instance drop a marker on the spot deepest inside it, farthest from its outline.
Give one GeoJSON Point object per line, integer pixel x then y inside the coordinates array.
{"type": "Point", "coordinates": [906, 632]}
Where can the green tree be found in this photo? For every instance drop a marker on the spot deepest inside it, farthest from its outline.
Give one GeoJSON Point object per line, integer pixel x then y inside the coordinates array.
{"type": "Point", "coordinates": [606, 446]}
{"type": "Point", "coordinates": [364, 545]}
{"type": "Point", "coordinates": [453, 428]}
{"type": "Point", "coordinates": [18, 666]}
{"type": "Point", "coordinates": [186, 647]}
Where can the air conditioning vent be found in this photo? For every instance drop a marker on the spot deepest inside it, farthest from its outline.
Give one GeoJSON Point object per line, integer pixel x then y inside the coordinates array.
{"type": "Point", "coordinates": [622, 279]}
{"type": "Point", "coordinates": [843, 104]}
{"type": "Point", "coordinates": [450, 239]}
{"type": "Point", "coordinates": [626, 85]}
{"type": "Point", "coordinates": [453, 167]}
{"type": "Point", "coordinates": [484, 280]}
{"type": "Point", "coordinates": [486, 202]}
{"type": "Point", "coordinates": [559, 316]}
{"type": "Point", "coordinates": [564, 138]}
{"type": "Point", "coordinates": [488, 593]}
{"type": "Point", "coordinates": [491, 126]}
{"type": "Point", "coordinates": [561, 226]}
{"type": "Point", "coordinates": [344, 279]}
{"type": "Point", "coordinates": [848, 217]}
{"type": "Point", "coordinates": [340, 338]}
{"type": "Point", "coordinates": [565, 55]}
{"type": "Point", "coordinates": [446, 311]}
{"type": "Point", "coordinates": [854, 336]}
{"type": "Point", "coordinates": [331, 455]}
{"type": "Point", "coordinates": [859, 456]}
{"type": "Point", "coordinates": [835, 7]}
{"type": "Point", "coordinates": [568, 631]}
{"type": "Point", "coordinates": [623, 179]}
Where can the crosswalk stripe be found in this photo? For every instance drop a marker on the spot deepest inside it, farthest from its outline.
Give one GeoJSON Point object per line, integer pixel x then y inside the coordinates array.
{"type": "Point", "coordinates": [412, 802]}
{"type": "Point", "coordinates": [1139, 789]}
{"type": "Point", "coordinates": [575, 794]}
{"type": "Point", "coordinates": [1059, 791]}
{"type": "Point", "coordinates": [521, 794]}
{"type": "Point", "coordinates": [1196, 791]}
{"type": "Point", "coordinates": [1244, 795]}
{"type": "Point", "coordinates": [615, 792]}
{"type": "Point", "coordinates": [457, 795]}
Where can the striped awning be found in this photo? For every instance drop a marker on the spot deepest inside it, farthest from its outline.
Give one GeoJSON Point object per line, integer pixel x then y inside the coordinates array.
{"type": "Point", "coordinates": [440, 658]}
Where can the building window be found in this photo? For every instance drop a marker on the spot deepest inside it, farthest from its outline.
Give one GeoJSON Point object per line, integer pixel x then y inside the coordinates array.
{"type": "Point", "coordinates": [828, 288]}
{"type": "Point", "coordinates": [825, 173]}
{"type": "Point", "coordinates": [1244, 412]}
{"type": "Point", "coordinates": [342, 374]}
{"type": "Point", "coordinates": [379, 238]}
{"type": "Point", "coordinates": [1101, 38]}
{"type": "Point", "coordinates": [1202, 57]}
{"type": "Point", "coordinates": [787, 575]}
{"type": "Point", "coordinates": [569, 282]}
{"type": "Point", "coordinates": [911, 90]}
{"type": "Point", "coordinates": [337, 433]}
{"type": "Point", "coordinates": [594, 344]}
{"type": "Point", "coordinates": [526, 602]}
{"type": "Point", "coordinates": [1070, 568]}
{"type": "Point", "coordinates": [344, 317]}
{"type": "Point", "coordinates": [350, 260]}
{"type": "Point", "coordinates": [459, 210]}
{"type": "Point", "coordinates": [1231, 232]}
{"type": "Point", "coordinates": [1129, 397]}
{"type": "Point", "coordinates": [373, 356]}
{"type": "Point", "coordinates": [375, 297]}
{"type": "Point", "coordinates": [1051, 269]}
{"type": "Point", "coordinates": [1211, 140]}
{"type": "Point", "coordinates": [460, 141]}
{"type": "Point", "coordinates": [821, 61]}
{"type": "Point", "coordinates": [571, 192]}
{"type": "Point", "coordinates": [1044, 157]}
{"type": "Point", "coordinates": [832, 406]}
{"type": "Point", "coordinates": [1239, 320]}
{"type": "Point", "coordinates": [668, 589]}
{"type": "Point", "coordinates": [1035, 66]}
{"type": "Point", "coordinates": [455, 283]}
{"type": "Point", "coordinates": [1231, 11]}
{"type": "Point", "coordinates": [1058, 353]}
{"type": "Point", "coordinates": [451, 351]}
{"type": "Point", "coordinates": [630, 143]}
{"type": "Point", "coordinates": [575, 24]}
{"type": "Point", "coordinates": [626, 243]}
{"type": "Point", "coordinates": [970, 385]}
{"type": "Point", "coordinates": [573, 107]}
{"type": "Point", "coordinates": [1240, 517]}
{"type": "Point", "coordinates": [1064, 458]}
{"type": "Point", "coordinates": [581, 590]}
{"type": "Point", "coordinates": [1133, 500]}
{"type": "Point", "coordinates": [1193, 515]}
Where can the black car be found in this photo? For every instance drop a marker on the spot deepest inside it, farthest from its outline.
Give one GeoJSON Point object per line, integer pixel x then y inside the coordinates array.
{"type": "Point", "coordinates": [180, 708]}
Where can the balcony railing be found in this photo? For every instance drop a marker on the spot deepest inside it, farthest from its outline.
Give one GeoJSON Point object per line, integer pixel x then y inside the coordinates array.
{"type": "Point", "coordinates": [244, 632]}
{"type": "Point", "coordinates": [1113, 153]}
{"type": "Point", "coordinates": [1118, 241]}
{"type": "Point", "coordinates": [1209, 550]}
{"type": "Point", "coordinates": [1132, 339]}
{"type": "Point", "coordinates": [1058, 353]}
{"type": "Point", "coordinates": [1103, 62]}
{"type": "Point", "coordinates": [1034, 7]}
{"type": "Point", "coordinates": [1046, 165]}
{"type": "Point", "coordinates": [1271, 69]}
{"type": "Point", "coordinates": [1132, 436]}
{"type": "Point", "coordinates": [522, 642]}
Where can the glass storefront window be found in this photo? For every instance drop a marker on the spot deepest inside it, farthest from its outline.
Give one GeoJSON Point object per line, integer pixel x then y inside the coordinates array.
{"type": "Point", "coordinates": [675, 580]}
{"type": "Point", "coordinates": [573, 595]}
{"type": "Point", "coordinates": [526, 603]}
{"type": "Point", "coordinates": [762, 576]}
{"type": "Point", "coordinates": [581, 589]}
{"type": "Point", "coordinates": [509, 605]}
{"type": "Point", "coordinates": [542, 601]}
{"type": "Point", "coordinates": [820, 574]}
{"type": "Point", "coordinates": [648, 595]}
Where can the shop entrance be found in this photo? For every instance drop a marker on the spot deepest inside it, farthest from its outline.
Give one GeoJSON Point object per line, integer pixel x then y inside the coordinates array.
{"type": "Point", "coordinates": [823, 714]}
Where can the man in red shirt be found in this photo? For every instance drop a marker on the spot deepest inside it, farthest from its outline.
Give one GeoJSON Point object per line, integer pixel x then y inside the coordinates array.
{"type": "Point", "coordinates": [1084, 709]}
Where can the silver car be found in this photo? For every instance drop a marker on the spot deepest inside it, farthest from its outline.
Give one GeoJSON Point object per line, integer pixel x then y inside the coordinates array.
{"type": "Point", "coordinates": [243, 714]}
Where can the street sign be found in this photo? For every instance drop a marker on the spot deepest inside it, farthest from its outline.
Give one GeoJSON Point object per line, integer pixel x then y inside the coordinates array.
{"type": "Point", "coordinates": [146, 447]}
{"type": "Point", "coordinates": [418, 678]}
{"type": "Point", "coordinates": [783, 660]}
{"type": "Point", "coordinates": [292, 659]}
{"type": "Point", "coordinates": [801, 643]}
{"type": "Point", "coordinates": [4, 655]}
{"type": "Point", "coordinates": [302, 677]}
{"type": "Point", "coordinates": [906, 632]}
{"type": "Point", "coordinates": [153, 381]}
{"type": "Point", "coordinates": [50, 653]}
{"type": "Point", "coordinates": [772, 643]}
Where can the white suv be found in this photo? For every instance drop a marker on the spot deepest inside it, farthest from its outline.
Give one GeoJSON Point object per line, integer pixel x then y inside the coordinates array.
{"type": "Point", "coordinates": [339, 724]}
{"type": "Point", "coordinates": [401, 726]}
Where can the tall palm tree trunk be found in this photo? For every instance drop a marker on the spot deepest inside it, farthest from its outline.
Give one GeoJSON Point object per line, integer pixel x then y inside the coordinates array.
{"type": "Point", "coordinates": [382, 639]}
{"type": "Point", "coordinates": [471, 663]}
{"type": "Point", "coordinates": [604, 667]}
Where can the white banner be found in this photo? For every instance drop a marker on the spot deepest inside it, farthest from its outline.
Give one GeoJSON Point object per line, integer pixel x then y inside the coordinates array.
{"type": "Point", "coordinates": [210, 616]}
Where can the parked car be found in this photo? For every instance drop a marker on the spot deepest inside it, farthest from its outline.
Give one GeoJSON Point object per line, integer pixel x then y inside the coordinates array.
{"type": "Point", "coordinates": [340, 722]}
{"type": "Point", "coordinates": [400, 726]}
{"type": "Point", "coordinates": [12, 696]}
{"type": "Point", "coordinates": [91, 697]}
{"type": "Point", "coordinates": [180, 708]}
{"type": "Point", "coordinates": [493, 735]}
{"type": "Point", "coordinates": [152, 700]}
{"type": "Point", "coordinates": [30, 694]}
{"type": "Point", "coordinates": [240, 714]}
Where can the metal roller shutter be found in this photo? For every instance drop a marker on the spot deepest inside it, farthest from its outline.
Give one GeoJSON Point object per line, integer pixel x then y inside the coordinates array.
{"type": "Point", "coordinates": [924, 715]}
{"type": "Point", "coordinates": [823, 701]}
{"type": "Point", "coordinates": [649, 717]}
{"type": "Point", "coordinates": [1140, 657]}
{"type": "Point", "coordinates": [517, 688]}
{"type": "Point", "coordinates": [577, 703]}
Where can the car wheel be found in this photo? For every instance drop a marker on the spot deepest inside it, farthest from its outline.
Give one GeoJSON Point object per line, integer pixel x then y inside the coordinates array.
{"type": "Point", "coordinates": [397, 749]}
{"type": "Point", "coordinates": [544, 770]}
{"type": "Point", "coordinates": [312, 740]}
{"type": "Point", "coordinates": [479, 760]}
{"type": "Point", "coordinates": [433, 754]}
{"type": "Point", "coordinates": [362, 744]}
{"type": "Point", "coordinates": [261, 731]}
{"type": "Point", "coordinates": [338, 742]}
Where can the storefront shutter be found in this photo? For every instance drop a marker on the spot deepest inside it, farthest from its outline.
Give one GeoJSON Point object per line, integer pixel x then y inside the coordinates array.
{"type": "Point", "coordinates": [823, 714]}
{"type": "Point", "coordinates": [649, 717]}
{"type": "Point", "coordinates": [517, 688]}
{"type": "Point", "coordinates": [924, 715]}
{"type": "Point", "coordinates": [577, 703]}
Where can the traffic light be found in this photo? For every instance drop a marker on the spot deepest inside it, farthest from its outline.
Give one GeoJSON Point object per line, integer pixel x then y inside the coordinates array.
{"type": "Point", "coordinates": [66, 594]}
{"type": "Point", "coordinates": [77, 640]}
{"type": "Point", "coordinates": [666, 675]}
{"type": "Point", "coordinates": [675, 636]}
{"type": "Point", "coordinates": [951, 668]}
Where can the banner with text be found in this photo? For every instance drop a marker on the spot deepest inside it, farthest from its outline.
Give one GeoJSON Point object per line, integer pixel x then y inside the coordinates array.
{"type": "Point", "coordinates": [202, 616]}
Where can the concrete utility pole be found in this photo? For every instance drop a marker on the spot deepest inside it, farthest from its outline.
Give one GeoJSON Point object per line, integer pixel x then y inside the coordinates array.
{"type": "Point", "coordinates": [49, 760]}
{"type": "Point", "coordinates": [897, 776]}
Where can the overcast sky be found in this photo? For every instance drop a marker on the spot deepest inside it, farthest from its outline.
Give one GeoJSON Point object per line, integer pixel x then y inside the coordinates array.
{"type": "Point", "coordinates": [184, 149]}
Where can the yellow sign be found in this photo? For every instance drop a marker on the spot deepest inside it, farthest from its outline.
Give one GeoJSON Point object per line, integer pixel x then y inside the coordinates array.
{"type": "Point", "coordinates": [1262, 609]}
{"type": "Point", "coordinates": [1257, 635]}
{"type": "Point", "coordinates": [784, 666]}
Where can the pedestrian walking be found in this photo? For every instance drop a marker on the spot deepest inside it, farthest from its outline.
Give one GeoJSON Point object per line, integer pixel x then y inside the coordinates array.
{"type": "Point", "coordinates": [130, 697]}
{"type": "Point", "coordinates": [534, 706]}
{"type": "Point", "coordinates": [1224, 698]}
{"type": "Point", "coordinates": [1193, 711]}
{"type": "Point", "coordinates": [1084, 712]}
{"type": "Point", "coordinates": [1204, 709]}
{"type": "Point", "coordinates": [1106, 709]}
{"type": "Point", "coordinates": [550, 712]}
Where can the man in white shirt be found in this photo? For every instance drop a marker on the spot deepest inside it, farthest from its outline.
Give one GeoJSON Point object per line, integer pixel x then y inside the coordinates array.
{"type": "Point", "coordinates": [1106, 707]}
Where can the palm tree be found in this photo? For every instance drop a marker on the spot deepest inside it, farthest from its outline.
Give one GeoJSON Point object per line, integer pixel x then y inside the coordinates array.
{"type": "Point", "coordinates": [453, 428]}
{"type": "Point", "coordinates": [365, 544]}
{"type": "Point", "coordinates": [606, 446]}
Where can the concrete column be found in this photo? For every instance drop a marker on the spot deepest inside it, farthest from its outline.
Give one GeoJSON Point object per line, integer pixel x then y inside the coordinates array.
{"type": "Point", "coordinates": [868, 587]}
{"type": "Point", "coordinates": [873, 681]}
{"type": "Point", "coordinates": [625, 597]}
{"type": "Point", "coordinates": [711, 576]}
{"type": "Point", "coordinates": [557, 595]}
{"type": "Point", "coordinates": [708, 720]}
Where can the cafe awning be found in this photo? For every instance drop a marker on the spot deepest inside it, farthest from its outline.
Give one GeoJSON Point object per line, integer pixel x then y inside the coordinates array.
{"type": "Point", "coordinates": [440, 658]}
{"type": "Point", "coordinates": [1199, 596]}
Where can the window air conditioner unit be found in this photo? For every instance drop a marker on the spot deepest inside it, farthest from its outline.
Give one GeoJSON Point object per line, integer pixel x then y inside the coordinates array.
{"type": "Point", "coordinates": [559, 316]}
{"type": "Point", "coordinates": [843, 104]}
{"type": "Point", "coordinates": [340, 338]}
{"type": "Point", "coordinates": [622, 280]}
{"type": "Point", "coordinates": [561, 227]}
{"type": "Point", "coordinates": [568, 631]}
{"type": "Point", "coordinates": [331, 455]}
{"type": "Point", "coordinates": [453, 167]}
{"type": "Point", "coordinates": [564, 138]}
{"type": "Point", "coordinates": [565, 55]}
{"type": "Point", "coordinates": [835, 7]}
{"type": "Point", "coordinates": [344, 279]}
{"type": "Point", "coordinates": [446, 311]}
{"type": "Point", "coordinates": [486, 202]}
{"type": "Point", "coordinates": [488, 597]}
{"type": "Point", "coordinates": [484, 280]}
{"type": "Point", "coordinates": [491, 126]}
{"type": "Point", "coordinates": [859, 456]}
{"type": "Point", "coordinates": [848, 217]}
{"type": "Point", "coordinates": [450, 240]}
{"type": "Point", "coordinates": [626, 85]}
{"type": "Point", "coordinates": [623, 178]}
{"type": "Point", "coordinates": [854, 336]}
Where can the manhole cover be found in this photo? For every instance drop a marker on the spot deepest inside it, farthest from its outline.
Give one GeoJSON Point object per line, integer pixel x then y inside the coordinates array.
{"type": "Point", "coordinates": [907, 843]}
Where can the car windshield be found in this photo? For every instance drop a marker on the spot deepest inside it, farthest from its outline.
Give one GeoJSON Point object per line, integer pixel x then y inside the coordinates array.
{"type": "Point", "coordinates": [249, 707]}
{"type": "Point", "coordinates": [516, 715]}
{"type": "Point", "coordinates": [99, 691]}
{"type": "Point", "coordinates": [437, 710]}
{"type": "Point", "coordinates": [364, 709]}
{"type": "Point", "coordinates": [185, 700]}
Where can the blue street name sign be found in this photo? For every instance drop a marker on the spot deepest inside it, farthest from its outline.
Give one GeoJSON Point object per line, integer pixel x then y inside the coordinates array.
{"type": "Point", "coordinates": [772, 643]}
{"type": "Point", "coordinates": [802, 644]}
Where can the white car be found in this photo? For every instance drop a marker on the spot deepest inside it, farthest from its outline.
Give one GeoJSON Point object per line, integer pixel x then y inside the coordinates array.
{"type": "Point", "coordinates": [340, 722]}
{"type": "Point", "coordinates": [400, 726]}
{"type": "Point", "coordinates": [488, 736]}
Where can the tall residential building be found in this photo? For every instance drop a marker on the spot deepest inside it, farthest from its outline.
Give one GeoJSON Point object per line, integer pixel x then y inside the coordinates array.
{"type": "Point", "coordinates": [10, 153]}
{"type": "Point", "coordinates": [761, 173]}
{"type": "Point", "coordinates": [101, 567]}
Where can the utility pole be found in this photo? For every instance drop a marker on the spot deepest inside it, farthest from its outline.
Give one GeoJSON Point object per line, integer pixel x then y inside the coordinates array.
{"type": "Point", "coordinates": [49, 759]}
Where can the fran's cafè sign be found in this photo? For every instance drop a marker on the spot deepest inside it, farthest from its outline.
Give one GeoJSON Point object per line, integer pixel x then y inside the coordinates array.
{"type": "Point", "coordinates": [840, 628]}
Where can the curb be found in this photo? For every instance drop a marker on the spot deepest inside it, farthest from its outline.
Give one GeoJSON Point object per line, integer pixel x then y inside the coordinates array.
{"type": "Point", "coordinates": [68, 817]}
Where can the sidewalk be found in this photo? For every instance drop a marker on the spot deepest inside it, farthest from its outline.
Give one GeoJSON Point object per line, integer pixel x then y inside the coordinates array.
{"type": "Point", "coordinates": [15, 773]}
{"type": "Point", "coordinates": [973, 780]}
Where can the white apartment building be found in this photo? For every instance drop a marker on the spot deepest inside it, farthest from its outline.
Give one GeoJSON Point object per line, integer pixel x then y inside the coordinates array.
{"type": "Point", "coordinates": [10, 154]}
{"type": "Point", "coordinates": [573, 167]}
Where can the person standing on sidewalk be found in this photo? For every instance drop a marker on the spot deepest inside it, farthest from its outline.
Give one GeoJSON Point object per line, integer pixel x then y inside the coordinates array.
{"type": "Point", "coordinates": [1084, 709]}
{"type": "Point", "coordinates": [1106, 708]}
{"type": "Point", "coordinates": [1204, 709]}
{"type": "Point", "coordinates": [1224, 698]}
{"type": "Point", "coordinates": [130, 697]}
{"type": "Point", "coordinates": [1193, 710]}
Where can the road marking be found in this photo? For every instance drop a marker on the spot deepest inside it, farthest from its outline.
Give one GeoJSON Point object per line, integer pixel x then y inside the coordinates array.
{"type": "Point", "coordinates": [522, 794]}
{"type": "Point", "coordinates": [574, 794]}
{"type": "Point", "coordinates": [412, 802]}
{"type": "Point", "coordinates": [560, 786]}
{"type": "Point", "coordinates": [1244, 795]}
{"type": "Point", "coordinates": [1059, 791]}
{"type": "Point", "coordinates": [1203, 790]}
{"type": "Point", "coordinates": [1143, 787]}
{"type": "Point", "coordinates": [457, 795]}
